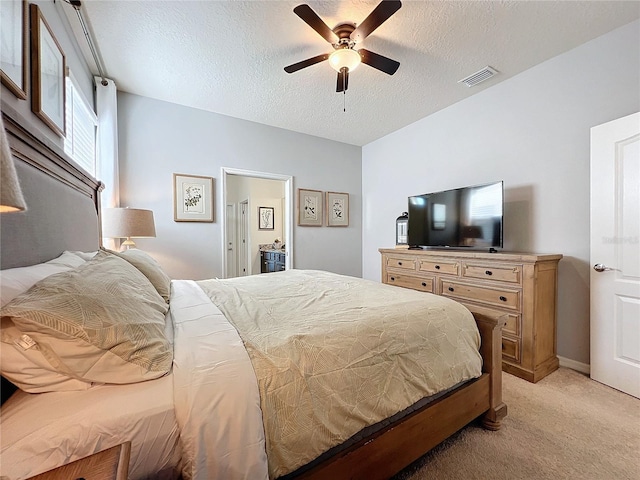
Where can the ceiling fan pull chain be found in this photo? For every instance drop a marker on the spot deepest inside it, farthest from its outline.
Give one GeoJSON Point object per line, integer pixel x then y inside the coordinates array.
{"type": "Point", "coordinates": [344, 100]}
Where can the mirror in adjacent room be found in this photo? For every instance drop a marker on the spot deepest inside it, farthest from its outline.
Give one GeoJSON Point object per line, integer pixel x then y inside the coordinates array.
{"type": "Point", "coordinates": [257, 215]}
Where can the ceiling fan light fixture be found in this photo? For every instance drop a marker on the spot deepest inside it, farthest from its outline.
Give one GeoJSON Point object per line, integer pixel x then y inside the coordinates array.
{"type": "Point", "coordinates": [344, 57]}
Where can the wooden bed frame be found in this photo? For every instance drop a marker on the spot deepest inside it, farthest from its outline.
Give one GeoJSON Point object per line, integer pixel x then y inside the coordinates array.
{"type": "Point", "coordinates": [379, 456]}
{"type": "Point", "coordinates": [388, 451]}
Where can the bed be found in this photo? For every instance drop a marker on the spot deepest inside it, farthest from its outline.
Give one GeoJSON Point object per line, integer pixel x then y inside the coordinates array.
{"type": "Point", "coordinates": [182, 422]}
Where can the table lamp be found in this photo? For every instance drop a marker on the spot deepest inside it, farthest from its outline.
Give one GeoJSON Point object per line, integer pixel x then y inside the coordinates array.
{"type": "Point", "coordinates": [127, 223]}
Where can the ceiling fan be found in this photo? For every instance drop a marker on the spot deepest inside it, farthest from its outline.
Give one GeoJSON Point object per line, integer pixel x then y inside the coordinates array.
{"type": "Point", "coordinates": [344, 37]}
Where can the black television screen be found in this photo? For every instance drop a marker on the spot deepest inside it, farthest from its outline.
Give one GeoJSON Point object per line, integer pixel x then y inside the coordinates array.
{"type": "Point", "coordinates": [462, 217]}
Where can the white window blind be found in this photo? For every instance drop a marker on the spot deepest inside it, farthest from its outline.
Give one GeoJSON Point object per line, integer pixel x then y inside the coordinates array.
{"type": "Point", "coordinates": [80, 141]}
{"type": "Point", "coordinates": [486, 202]}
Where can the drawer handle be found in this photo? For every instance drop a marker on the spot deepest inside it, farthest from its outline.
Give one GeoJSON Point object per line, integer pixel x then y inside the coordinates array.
{"type": "Point", "coordinates": [437, 267]}
{"type": "Point", "coordinates": [399, 263]}
{"type": "Point", "coordinates": [393, 279]}
{"type": "Point", "coordinates": [504, 299]}
{"type": "Point", "coordinates": [488, 272]}
{"type": "Point", "coordinates": [424, 284]}
{"type": "Point", "coordinates": [451, 289]}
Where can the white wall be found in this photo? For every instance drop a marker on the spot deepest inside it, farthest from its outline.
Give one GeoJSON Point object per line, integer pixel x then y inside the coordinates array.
{"type": "Point", "coordinates": [157, 139]}
{"type": "Point", "coordinates": [532, 131]}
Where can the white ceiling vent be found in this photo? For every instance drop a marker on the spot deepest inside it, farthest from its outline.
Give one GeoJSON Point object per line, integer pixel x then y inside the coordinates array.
{"type": "Point", "coordinates": [485, 74]}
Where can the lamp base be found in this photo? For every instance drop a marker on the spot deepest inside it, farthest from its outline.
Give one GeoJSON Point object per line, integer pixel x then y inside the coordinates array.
{"type": "Point", "coordinates": [128, 244]}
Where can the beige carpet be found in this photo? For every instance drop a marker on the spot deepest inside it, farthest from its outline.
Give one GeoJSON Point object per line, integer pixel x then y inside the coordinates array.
{"type": "Point", "coordinates": [564, 427]}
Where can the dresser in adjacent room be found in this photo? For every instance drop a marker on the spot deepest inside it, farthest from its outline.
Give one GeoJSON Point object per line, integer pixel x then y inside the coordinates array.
{"type": "Point", "coordinates": [522, 286]}
{"type": "Point", "coordinates": [272, 261]}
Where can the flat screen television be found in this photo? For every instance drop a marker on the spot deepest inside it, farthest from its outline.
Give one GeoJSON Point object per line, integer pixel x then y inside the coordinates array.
{"type": "Point", "coordinates": [468, 217]}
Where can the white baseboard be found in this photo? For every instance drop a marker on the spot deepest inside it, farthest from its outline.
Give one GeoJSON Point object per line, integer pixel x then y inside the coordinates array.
{"type": "Point", "coordinates": [572, 364]}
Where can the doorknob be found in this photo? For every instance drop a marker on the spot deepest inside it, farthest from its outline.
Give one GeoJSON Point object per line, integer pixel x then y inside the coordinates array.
{"type": "Point", "coordinates": [599, 267]}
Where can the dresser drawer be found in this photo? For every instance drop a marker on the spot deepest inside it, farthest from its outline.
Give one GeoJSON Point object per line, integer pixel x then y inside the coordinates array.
{"type": "Point", "coordinates": [401, 263]}
{"type": "Point", "coordinates": [407, 281]}
{"type": "Point", "coordinates": [514, 320]}
{"type": "Point", "coordinates": [436, 266]}
{"type": "Point", "coordinates": [497, 273]}
{"type": "Point", "coordinates": [511, 349]}
{"type": "Point", "coordinates": [498, 297]}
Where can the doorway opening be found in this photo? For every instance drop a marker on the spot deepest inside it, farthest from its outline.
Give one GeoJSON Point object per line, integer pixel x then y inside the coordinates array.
{"type": "Point", "coordinates": [246, 191]}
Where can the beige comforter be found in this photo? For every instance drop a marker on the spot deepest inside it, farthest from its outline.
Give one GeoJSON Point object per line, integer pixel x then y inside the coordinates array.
{"type": "Point", "coordinates": [334, 354]}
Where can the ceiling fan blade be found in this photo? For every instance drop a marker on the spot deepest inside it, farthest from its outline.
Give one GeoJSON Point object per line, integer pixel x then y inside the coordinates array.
{"type": "Point", "coordinates": [380, 14]}
{"type": "Point", "coordinates": [312, 19]}
{"type": "Point", "coordinates": [306, 63]}
{"type": "Point", "coordinates": [378, 61]}
{"type": "Point", "coordinates": [343, 80]}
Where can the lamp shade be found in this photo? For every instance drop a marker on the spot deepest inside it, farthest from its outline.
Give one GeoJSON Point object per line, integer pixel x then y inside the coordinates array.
{"type": "Point", "coordinates": [127, 223]}
{"type": "Point", "coordinates": [11, 199]}
{"type": "Point", "coordinates": [344, 57]}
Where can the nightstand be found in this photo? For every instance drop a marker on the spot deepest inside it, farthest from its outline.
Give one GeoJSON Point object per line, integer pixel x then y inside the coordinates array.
{"type": "Point", "coordinates": [109, 464]}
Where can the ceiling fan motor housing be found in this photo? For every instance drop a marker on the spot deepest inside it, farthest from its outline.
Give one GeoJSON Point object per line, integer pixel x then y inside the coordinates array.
{"type": "Point", "coordinates": [343, 31]}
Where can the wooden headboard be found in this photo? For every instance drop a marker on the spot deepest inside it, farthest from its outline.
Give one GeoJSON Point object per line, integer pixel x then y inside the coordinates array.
{"type": "Point", "coordinates": [63, 202]}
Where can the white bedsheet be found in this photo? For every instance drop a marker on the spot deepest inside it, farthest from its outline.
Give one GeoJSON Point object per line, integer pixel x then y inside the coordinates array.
{"type": "Point", "coordinates": [46, 430]}
{"type": "Point", "coordinates": [216, 393]}
{"type": "Point", "coordinates": [42, 431]}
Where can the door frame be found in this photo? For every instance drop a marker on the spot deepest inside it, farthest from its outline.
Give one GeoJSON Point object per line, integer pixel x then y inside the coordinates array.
{"type": "Point", "coordinates": [288, 210]}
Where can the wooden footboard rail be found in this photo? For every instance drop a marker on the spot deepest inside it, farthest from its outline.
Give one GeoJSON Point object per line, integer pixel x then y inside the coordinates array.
{"type": "Point", "coordinates": [390, 450]}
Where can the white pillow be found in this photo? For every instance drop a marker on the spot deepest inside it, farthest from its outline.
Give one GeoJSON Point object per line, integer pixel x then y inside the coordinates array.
{"type": "Point", "coordinates": [86, 256]}
{"type": "Point", "coordinates": [15, 281]}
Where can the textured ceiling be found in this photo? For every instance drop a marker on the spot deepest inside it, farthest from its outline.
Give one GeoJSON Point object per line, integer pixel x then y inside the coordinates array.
{"type": "Point", "coordinates": [228, 56]}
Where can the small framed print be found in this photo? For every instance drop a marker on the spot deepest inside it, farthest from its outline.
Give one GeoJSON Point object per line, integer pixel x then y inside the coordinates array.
{"type": "Point", "coordinates": [265, 218]}
{"type": "Point", "coordinates": [192, 198]}
{"type": "Point", "coordinates": [310, 208]}
{"type": "Point", "coordinates": [13, 48]}
{"type": "Point", "coordinates": [337, 209]}
{"type": "Point", "coordinates": [47, 74]}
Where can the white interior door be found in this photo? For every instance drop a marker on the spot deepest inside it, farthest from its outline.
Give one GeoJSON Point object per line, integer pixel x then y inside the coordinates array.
{"type": "Point", "coordinates": [615, 254]}
{"type": "Point", "coordinates": [244, 245]}
{"type": "Point", "coordinates": [231, 226]}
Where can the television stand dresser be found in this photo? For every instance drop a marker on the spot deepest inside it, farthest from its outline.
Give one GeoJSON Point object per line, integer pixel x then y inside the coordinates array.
{"type": "Point", "coordinates": [522, 286]}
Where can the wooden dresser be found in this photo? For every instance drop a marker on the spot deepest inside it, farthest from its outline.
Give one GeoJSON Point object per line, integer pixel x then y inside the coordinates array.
{"type": "Point", "coordinates": [272, 261]}
{"type": "Point", "coordinates": [520, 285]}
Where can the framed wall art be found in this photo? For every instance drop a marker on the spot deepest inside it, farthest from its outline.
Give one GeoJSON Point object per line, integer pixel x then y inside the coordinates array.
{"type": "Point", "coordinates": [192, 198]}
{"type": "Point", "coordinates": [13, 47]}
{"type": "Point", "coordinates": [265, 218]}
{"type": "Point", "coordinates": [337, 209]}
{"type": "Point", "coordinates": [310, 212]}
{"type": "Point", "coordinates": [47, 74]}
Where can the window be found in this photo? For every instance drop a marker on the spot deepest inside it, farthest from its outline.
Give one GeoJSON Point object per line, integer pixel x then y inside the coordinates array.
{"type": "Point", "coordinates": [80, 142]}
{"type": "Point", "coordinates": [486, 202]}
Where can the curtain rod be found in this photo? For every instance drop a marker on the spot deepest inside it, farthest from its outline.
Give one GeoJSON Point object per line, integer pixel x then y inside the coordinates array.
{"type": "Point", "coordinates": [76, 4]}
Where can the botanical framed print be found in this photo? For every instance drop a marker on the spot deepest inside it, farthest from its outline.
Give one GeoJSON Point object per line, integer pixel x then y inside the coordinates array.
{"type": "Point", "coordinates": [337, 209]}
{"type": "Point", "coordinates": [47, 74]}
{"type": "Point", "coordinates": [310, 208]}
{"type": "Point", "coordinates": [192, 198]}
{"type": "Point", "coordinates": [13, 46]}
{"type": "Point", "coordinates": [265, 218]}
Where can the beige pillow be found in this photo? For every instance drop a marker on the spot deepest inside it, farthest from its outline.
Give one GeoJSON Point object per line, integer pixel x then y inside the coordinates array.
{"type": "Point", "coordinates": [102, 322]}
{"type": "Point", "coordinates": [150, 268]}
